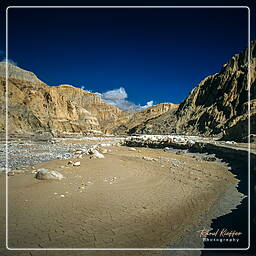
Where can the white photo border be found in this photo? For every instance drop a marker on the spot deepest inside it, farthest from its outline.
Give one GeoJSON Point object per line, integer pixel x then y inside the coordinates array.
{"type": "Point", "coordinates": [127, 249]}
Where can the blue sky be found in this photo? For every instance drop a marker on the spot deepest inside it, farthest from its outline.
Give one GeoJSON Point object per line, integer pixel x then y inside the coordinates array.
{"type": "Point", "coordinates": [156, 55]}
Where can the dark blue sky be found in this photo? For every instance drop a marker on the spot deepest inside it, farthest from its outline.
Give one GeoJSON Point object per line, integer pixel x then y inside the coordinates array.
{"type": "Point", "coordinates": [155, 54]}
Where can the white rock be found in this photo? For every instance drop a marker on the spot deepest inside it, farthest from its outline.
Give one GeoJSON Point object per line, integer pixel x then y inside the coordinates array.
{"type": "Point", "coordinates": [97, 154]}
{"type": "Point", "coordinates": [148, 158]}
{"type": "Point", "coordinates": [77, 164]}
{"type": "Point", "coordinates": [132, 149]}
{"type": "Point", "coordinates": [104, 151]}
{"type": "Point", "coordinates": [230, 142]}
{"type": "Point", "coordinates": [105, 144]}
{"type": "Point", "coordinates": [45, 174]}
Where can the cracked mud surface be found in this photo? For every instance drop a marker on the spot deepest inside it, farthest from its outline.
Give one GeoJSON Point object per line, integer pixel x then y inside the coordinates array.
{"type": "Point", "coordinates": [121, 201]}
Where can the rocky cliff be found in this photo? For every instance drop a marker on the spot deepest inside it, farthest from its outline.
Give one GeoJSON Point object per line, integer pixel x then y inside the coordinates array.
{"type": "Point", "coordinates": [218, 105]}
{"type": "Point", "coordinates": [36, 107]}
{"type": "Point", "coordinates": [142, 117]}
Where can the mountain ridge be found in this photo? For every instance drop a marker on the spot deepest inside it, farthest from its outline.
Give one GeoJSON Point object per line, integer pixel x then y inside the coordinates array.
{"type": "Point", "coordinates": [35, 107]}
{"type": "Point", "coordinates": [217, 106]}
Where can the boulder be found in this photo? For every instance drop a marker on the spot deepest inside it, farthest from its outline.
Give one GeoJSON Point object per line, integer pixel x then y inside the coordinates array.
{"type": "Point", "coordinates": [45, 174]}
{"type": "Point", "coordinates": [97, 154]}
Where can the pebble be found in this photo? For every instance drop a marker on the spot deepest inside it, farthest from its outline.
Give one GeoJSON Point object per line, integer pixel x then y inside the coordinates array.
{"type": "Point", "coordinates": [148, 158]}
{"type": "Point", "coordinates": [104, 151]}
{"type": "Point", "coordinates": [76, 164]}
{"type": "Point", "coordinates": [209, 158]}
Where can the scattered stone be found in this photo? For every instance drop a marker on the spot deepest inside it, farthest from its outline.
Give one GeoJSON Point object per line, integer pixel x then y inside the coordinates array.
{"type": "Point", "coordinates": [179, 152]}
{"type": "Point", "coordinates": [97, 154]}
{"type": "Point", "coordinates": [104, 151]}
{"type": "Point", "coordinates": [209, 158]}
{"type": "Point", "coordinates": [132, 149]}
{"type": "Point", "coordinates": [62, 195]}
{"type": "Point", "coordinates": [70, 162]}
{"type": "Point", "coordinates": [10, 173]}
{"type": "Point", "coordinates": [105, 145]}
{"type": "Point", "coordinates": [76, 164]}
{"type": "Point", "coordinates": [18, 171]}
{"type": "Point", "coordinates": [230, 142]}
{"type": "Point", "coordinates": [148, 158]}
{"type": "Point", "coordinates": [45, 174]}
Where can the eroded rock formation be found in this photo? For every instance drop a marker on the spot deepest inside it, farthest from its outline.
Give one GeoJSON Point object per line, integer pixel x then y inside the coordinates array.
{"type": "Point", "coordinates": [218, 105]}
{"type": "Point", "coordinates": [141, 117]}
{"type": "Point", "coordinates": [35, 107]}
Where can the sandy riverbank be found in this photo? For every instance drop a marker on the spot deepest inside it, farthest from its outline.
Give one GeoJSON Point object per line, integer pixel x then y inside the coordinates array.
{"type": "Point", "coordinates": [121, 201]}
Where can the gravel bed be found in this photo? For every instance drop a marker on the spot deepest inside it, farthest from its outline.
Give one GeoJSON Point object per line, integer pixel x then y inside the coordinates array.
{"type": "Point", "coordinates": [22, 154]}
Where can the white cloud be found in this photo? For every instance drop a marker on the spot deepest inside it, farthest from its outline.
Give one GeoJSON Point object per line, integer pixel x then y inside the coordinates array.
{"type": "Point", "coordinates": [149, 104]}
{"type": "Point", "coordinates": [118, 98]}
{"type": "Point", "coordinates": [115, 95]}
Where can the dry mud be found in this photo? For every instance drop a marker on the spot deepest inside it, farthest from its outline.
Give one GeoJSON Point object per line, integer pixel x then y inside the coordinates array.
{"type": "Point", "coordinates": [143, 198]}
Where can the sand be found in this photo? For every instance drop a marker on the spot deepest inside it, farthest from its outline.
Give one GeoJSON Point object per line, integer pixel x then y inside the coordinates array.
{"type": "Point", "coordinates": [121, 201]}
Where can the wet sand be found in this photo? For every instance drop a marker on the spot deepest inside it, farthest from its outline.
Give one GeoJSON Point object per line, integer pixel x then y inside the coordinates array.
{"type": "Point", "coordinates": [121, 201]}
